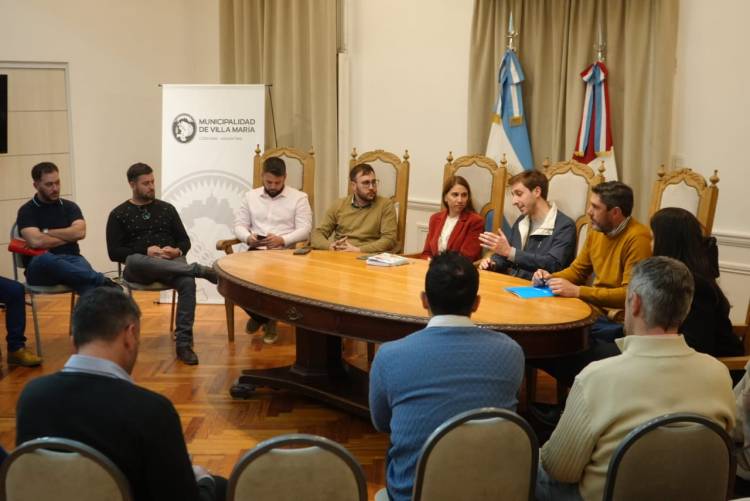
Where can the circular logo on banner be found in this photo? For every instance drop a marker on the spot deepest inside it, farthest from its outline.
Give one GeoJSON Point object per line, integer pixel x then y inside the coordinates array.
{"type": "Point", "coordinates": [183, 128]}
{"type": "Point", "coordinates": [206, 202]}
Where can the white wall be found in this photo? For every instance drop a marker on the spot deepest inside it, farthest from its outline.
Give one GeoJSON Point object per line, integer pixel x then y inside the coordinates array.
{"type": "Point", "coordinates": [118, 52]}
{"type": "Point", "coordinates": [409, 63]}
{"type": "Point", "coordinates": [712, 125]}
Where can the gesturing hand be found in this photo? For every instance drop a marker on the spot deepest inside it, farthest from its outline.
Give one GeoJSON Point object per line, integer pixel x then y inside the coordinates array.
{"type": "Point", "coordinates": [497, 243]}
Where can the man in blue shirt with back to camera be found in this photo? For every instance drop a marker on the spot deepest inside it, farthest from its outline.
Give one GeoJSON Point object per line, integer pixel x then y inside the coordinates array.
{"type": "Point", "coordinates": [452, 366]}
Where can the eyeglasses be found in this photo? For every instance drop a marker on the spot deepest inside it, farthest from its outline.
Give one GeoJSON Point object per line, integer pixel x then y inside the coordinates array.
{"type": "Point", "coordinates": [367, 184]}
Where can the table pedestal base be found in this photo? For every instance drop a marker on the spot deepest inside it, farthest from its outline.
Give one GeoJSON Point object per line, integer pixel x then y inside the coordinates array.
{"type": "Point", "coordinates": [318, 372]}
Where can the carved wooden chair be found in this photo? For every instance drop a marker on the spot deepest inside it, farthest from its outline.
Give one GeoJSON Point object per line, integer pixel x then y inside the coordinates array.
{"type": "Point", "coordinates": [688, 190]}
{"type": "Point", "coordinates": [487, 180]}
{"type": "Point", "coordinates": [300, 174]}
{"type": "Point", "coordinates": [570, 186]}
{"type": "Point", "coordinates": [393, 177]}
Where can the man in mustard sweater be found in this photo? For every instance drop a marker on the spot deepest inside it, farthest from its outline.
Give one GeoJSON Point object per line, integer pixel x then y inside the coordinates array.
{"type": "Point", "coordinates": [362, 222]}
{"type": "Point", "coordinates": [656, 374]}
{"type": "Point", "coordinates": [617, 243]}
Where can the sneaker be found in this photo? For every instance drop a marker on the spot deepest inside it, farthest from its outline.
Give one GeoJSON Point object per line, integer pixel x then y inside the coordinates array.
{"type": "Point", "coordinates": [269, 332]}
{"type": "Point", "coordinates": [23, 357]}
{"type": "Point", "coordinates": [186, 355]}
{"type": "Point", "coordinates": [206, 272]}
{"type": "Point", "coordinates": [252, 326]}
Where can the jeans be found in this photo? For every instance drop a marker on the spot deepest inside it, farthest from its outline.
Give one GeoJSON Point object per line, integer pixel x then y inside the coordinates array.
{"type": "Point", "coordinates": [66, 269]}
{"type": "Point", "coordinates": [13, 295]}
{"type": "Point", "coordinates": [177, 274]}
{"type": "Point", "coordinates": [549, 489]}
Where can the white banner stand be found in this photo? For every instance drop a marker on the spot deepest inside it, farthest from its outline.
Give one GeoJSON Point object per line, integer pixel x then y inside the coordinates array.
{"type": "Point", "coordinates": [209, 135]}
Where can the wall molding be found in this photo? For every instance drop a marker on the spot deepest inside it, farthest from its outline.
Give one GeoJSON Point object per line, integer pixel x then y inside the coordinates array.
{"type": "Point", "coordinates": [423, 205]}
{"type": "Point", "coordinates": [732, 239]}
{"type": "Point", "coordinates": [734, 268]}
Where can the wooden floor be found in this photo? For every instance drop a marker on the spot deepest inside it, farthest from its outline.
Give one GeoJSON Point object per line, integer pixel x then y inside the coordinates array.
{"type": "Point", "coordinates": [218, 429]}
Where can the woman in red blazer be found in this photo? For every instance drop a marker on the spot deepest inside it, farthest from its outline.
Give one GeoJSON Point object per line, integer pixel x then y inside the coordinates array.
{"type": "Point", "coordinates": [457, 227]}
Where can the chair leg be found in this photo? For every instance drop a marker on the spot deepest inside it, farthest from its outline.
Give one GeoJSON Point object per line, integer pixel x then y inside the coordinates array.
{"type": "Point", "coordinates": [171, 315]}
{"type": "Point", "coordinates": [229, 307]}
{"type": "Point", "coordinates": [36, 326]}
{"type": "Point", "coordinates": [72, 306]}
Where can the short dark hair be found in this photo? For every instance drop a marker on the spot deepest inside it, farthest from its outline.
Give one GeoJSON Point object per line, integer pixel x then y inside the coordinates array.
{"type": "Point", "coordinates": [451, 284]}
{"type": "Point", "coordinates": [275, 166]}
{"type": "Point", "coordinates": [137, 170]}
{"type": "Point", "coordinates": [615, 194]}
{"type": "Point", "coordinates": [360, 169]}
{"type": "Point", "coordinates": [101, 314]}
{"type": "Point", "coordinates": [458, 181]}
{"type": "Point", "coordinates": [41, 169]}
{"type": "Point", "coordinates": [531, 179]}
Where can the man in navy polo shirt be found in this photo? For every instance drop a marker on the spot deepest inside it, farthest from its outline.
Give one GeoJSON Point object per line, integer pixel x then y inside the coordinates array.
{"type": "Point", "coordinates": [55, 224]}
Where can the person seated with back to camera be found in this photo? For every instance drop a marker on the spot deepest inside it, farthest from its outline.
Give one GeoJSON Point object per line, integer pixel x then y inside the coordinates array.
{"type": "Point", "coordinates": [657, 373]}
{"type": "Point", "coordinates": [451, 366]}
{"type": "Point", "coordinates": [542, 236]}
{"type": "Point", "coordinates": [457, 226]}
{"type": "Point", "coordinates": [93, 399]}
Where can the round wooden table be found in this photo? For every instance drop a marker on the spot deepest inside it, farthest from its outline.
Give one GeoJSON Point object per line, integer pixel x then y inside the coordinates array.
{"type": "Point", "coordinates": [329, 295]}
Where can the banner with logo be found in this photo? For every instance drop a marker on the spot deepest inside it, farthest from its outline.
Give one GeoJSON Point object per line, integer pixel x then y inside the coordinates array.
{"type": "Point", "coordinates": [209, 135]}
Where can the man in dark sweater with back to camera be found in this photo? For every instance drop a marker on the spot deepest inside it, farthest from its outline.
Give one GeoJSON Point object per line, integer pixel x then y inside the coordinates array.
{"type": "Point", "coordinates": [147, 235]}
{"type": "Point", "coordinates": [94, 400]}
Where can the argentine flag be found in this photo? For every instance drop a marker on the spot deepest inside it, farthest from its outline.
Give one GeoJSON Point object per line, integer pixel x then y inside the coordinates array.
{"type": "Point", "coordinates": [508, 133]}
{"type": "Point", "coordinates": [594, 140]}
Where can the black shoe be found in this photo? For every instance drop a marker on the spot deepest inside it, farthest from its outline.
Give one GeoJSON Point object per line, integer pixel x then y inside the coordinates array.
{"type": "Point", "coordinates": [546, 414]}
{"type": "Point", "coordinates": [206, 272]}
{"type": "Point", "coordinates": [186, 355]}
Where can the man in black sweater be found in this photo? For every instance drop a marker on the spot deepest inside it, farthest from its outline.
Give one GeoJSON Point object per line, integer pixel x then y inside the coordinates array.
{"type": "Point", "coordinates": [148, 236]}
{"type": "Point", "coordinates": [94, 400]}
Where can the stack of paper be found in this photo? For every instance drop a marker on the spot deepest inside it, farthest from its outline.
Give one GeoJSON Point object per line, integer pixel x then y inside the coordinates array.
{"type": "Point", "coordinates": [386, 259]}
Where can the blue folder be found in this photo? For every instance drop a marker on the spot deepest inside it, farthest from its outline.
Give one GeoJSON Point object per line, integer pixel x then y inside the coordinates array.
{"type": "Point", "coordinates": [530, 292]}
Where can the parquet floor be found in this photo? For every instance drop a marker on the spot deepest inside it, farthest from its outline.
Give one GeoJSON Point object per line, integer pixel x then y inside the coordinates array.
{"type": "Point", "coordinates": [218, 429]}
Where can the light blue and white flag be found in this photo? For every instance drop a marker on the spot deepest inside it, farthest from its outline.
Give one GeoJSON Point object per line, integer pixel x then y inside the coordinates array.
{"type": "Point", "coordinates": [508, 133]}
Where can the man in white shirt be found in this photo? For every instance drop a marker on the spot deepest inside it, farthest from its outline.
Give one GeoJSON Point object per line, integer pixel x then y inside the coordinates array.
{"type": "Point", "coordinates": [657, 373]}
{"type": "Point", "coordinates": [273, 216]}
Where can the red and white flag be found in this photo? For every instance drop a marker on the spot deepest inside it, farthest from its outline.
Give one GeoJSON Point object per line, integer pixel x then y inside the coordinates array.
{"type": "Point", "coordinates": [594, 142]}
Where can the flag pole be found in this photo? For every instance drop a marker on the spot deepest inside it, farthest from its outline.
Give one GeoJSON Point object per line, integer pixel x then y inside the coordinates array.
{"type": "Point", "coordinates": [601, 45]}
{"type": "Point", "coordinates": [512, 33]}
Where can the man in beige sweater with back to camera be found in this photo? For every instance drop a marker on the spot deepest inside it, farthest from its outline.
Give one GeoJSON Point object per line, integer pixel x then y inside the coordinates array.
{"type": "Point", "coordinates": [656, 374]}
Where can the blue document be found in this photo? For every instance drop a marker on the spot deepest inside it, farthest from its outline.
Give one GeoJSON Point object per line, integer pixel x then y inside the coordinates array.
{"type": "Point", "coordinates": [530, 292]}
